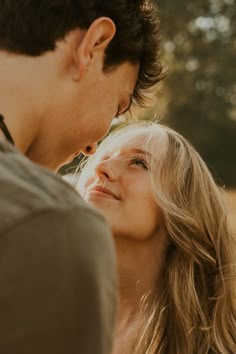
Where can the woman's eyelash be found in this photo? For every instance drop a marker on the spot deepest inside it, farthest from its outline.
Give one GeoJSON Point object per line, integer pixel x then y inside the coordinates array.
{"type": "Point", "coordinates": [139, 161]}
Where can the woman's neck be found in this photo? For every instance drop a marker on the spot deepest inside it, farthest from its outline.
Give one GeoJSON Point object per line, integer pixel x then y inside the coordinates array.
{"type": "Point", "coordinates": [139, 269]}
{"type": "Point", "coordinates": [130, 318]}
{"type": "Point", "coordinates": [134, 292]}
{"type": "Point", "coordinates": [127, 326]}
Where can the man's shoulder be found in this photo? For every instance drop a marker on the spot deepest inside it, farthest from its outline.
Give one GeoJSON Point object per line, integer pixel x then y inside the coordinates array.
{"type": "Point", "coordinates": [27, 189]}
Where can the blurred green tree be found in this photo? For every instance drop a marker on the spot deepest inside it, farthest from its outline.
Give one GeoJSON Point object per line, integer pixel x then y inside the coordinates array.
{"type": "Point", "coordinates": [199, 47]}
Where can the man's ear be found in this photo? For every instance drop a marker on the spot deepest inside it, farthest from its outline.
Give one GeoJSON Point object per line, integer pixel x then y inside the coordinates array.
{"type": "Point", "coordinates": [93, 44]}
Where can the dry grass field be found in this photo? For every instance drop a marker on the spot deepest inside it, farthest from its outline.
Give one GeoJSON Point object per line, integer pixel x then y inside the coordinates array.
{"type": "Point", "coordinates": [231, 197]}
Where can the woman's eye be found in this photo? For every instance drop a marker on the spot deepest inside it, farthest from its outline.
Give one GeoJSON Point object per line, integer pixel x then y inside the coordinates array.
{"type": "Point", "coordinates": [139, 162]}
{"type": "Point", "coordinates": [104, 158]}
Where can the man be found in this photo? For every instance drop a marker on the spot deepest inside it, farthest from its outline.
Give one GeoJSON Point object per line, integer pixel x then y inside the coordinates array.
{"type": "Point", "coordinates": [66, 69]}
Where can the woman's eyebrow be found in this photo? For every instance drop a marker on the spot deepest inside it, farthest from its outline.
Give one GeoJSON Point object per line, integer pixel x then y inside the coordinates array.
{"type": "Point", "coordinates": [140, 151]}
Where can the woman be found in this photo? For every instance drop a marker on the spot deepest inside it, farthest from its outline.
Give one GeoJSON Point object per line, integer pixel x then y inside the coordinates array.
{"type": "Point", "coordinates": [174, 247]}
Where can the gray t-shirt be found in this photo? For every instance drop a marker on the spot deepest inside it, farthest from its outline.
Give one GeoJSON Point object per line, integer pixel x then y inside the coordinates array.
{"type": "Point", "coordinates": [57, 265]}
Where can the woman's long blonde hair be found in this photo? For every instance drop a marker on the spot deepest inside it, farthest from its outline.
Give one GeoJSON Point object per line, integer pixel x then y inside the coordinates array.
{"type": "Point", "coordinates": [194, 310]}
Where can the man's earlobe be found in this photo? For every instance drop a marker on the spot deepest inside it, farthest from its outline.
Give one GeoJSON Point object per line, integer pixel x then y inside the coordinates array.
{"type": "Point", "coordinates": [94, 43]}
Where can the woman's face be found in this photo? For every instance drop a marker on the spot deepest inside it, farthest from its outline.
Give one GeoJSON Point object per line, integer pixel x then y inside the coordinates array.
{"type": "Point", "coordinates": [118, 184]}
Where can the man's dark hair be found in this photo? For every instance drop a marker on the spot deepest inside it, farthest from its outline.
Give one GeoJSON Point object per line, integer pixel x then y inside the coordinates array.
{"type": "Point", "coordinates": [32, 28]}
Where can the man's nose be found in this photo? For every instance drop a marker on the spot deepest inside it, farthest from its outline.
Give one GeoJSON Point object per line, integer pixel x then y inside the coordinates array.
{"type": "Point", "coordinates": [90, 149]}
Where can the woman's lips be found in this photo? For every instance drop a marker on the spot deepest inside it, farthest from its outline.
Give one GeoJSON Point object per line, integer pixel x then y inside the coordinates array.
{"type": "Point", "coordinates": [105, 191]}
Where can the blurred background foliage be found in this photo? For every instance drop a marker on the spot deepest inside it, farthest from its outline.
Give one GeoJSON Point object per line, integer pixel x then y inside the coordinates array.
{"type": "Point", "coordinates": [198, 96]}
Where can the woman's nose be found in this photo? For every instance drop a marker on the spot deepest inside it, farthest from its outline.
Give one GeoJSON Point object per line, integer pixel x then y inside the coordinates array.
{"type": "Point", "coordinates": [107, 168]}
